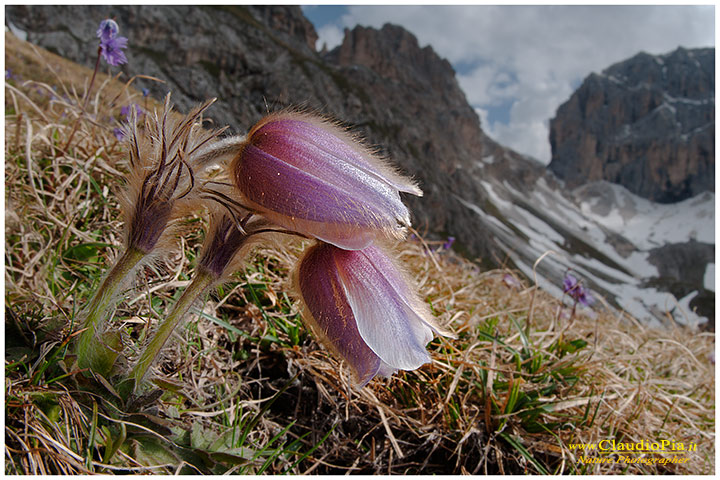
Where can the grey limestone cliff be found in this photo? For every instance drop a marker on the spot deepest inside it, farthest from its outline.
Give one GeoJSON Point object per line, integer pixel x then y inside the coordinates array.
{"type": "Point", "coordinates": [647, 123]}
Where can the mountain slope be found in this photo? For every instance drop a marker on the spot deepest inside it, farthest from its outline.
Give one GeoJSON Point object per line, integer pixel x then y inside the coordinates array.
{"type": "Point", "coordinates": [379, 83]}
{"type": "Point", "coordinates": [502, 207]}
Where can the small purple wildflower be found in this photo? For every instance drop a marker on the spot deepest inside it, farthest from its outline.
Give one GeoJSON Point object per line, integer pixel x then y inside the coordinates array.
{"type": "Point", "coordinates": [108, 30]}
{"type": "Point", "coordinates": [573, 287]}
{"type": "Point", "coordinates": [126, 111]}
{"type": "Point", "coordinates": [119, 133]}
{"type": "Point", "coordinates": [511, 281]}
{"type": "Point", "coordinates": [448, 243]}
{"type": "Point", "coordinates": [145, 92]}
{"type": "Point", "coordinates": [8, 74]}
{"type": "Point", "coordinates": [112, 50]}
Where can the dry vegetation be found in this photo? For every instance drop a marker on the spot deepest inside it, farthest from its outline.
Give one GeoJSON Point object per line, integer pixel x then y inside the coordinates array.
{"type": "Point", "coordinates": [248, 390]}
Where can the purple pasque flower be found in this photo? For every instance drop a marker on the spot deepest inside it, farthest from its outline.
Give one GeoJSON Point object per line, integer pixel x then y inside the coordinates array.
{"type": "Point", "coordinates": [313, 178]}
{"type": "Point", "coordinates": [111, 50]}
{"type": "Point", "coordinates": [573, 287]}
{"type": "Point", "coordinates": [108, 29]}
{"type": "Point", "coordinates": [362, 306]}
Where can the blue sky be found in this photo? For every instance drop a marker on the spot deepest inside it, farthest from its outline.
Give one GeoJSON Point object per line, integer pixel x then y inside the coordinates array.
{"type": "Point", "coordinates": [517, 64]}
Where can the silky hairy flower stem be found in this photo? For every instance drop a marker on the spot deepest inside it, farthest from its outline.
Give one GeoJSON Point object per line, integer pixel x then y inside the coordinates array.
{"type": "Point", "coordinates": [200, 284]}
{"type": "Point", "coordinates": [91, 350]}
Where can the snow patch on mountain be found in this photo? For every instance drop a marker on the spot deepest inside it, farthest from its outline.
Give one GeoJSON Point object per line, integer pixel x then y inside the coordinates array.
{"type": "Point", "coordinates": [604, 234]}
{"type": "Point", "coordinates": [644, 223]}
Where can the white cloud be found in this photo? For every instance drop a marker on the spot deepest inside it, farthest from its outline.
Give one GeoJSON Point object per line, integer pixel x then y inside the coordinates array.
{"type": "Point", "coordinates": [534, 55]}
{"type": "Point", "coordinates": [329, 35]}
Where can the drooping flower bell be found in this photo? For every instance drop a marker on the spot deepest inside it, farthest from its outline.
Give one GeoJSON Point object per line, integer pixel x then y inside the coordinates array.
{"type": "Point", "coordinates": [363, 308]}
{"type": "Point", "coordinates": [311, 177]}
{"type": "Point", "coordinates": [108, 29]}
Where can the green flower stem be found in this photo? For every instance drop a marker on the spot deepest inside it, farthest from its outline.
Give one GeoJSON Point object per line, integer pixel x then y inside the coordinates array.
{"type": "Point", "coordinates": [92, 351]}
{"type": "Point", "coordinates": [201, 283]}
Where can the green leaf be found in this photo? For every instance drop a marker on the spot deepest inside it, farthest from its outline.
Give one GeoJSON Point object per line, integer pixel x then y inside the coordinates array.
{"type": "Point", "coordinates": [523, 451]}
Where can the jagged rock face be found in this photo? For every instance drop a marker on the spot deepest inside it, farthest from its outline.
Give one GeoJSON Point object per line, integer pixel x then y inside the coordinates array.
{"type": "Point", "coordinates": [647, 123]}
{"type": "Point", "coordinates": [402, 98]}
{"type": "Point", "coordinates": [682, 269]}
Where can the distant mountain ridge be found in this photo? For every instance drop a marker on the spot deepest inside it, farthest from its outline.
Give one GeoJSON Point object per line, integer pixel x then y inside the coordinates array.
{"type": "Point", "coordinates": [647, 123]}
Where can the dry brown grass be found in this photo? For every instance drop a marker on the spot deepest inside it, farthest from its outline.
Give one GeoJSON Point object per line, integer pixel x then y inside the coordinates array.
{"type": "Point", "coordinates": [520, 384]}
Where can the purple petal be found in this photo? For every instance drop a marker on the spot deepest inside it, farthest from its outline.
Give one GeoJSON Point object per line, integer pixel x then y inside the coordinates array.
{"type": "Point", "coordinates": [108, 29]}
{"type": "Point", "coordinates": [569, 283]}
{"type": "Point", "coordinates": [336, 143]}
{"type": "Point", "coordinates": [389, 317]}
{"type": "Point", "coordinates": [331, 315]}
{"type": "Point", "coordinates": [119, 133]}
{"type": "Point", "coordinates": [308, 177]}
{"type": "Point", "coordinates": [302, 202]}
{"type": "Point", "coordinates": [111, 50]}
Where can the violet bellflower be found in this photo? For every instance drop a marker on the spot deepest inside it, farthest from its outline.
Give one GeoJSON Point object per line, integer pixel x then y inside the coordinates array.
{"type": "Point", "coordinates": [112, 50]}
{"type": "Point", "coordinates": [573, 287]}
{"type": "Point", "coordinates": [108, 29]}
{"type": "Point", "coordinates": [362, 306]}
{"type": "Point", "coordinates": [313, 178]}
{"type": "Point", "coordinates": [111, 45]}
{"type": "Point", "coordinates": [126, 111]}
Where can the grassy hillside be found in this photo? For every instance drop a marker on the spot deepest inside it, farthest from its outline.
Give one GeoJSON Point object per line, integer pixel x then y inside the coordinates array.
{"type": "Point", "coordinates": [247, 389]}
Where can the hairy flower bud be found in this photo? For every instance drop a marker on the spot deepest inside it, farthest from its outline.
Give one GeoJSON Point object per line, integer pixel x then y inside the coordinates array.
{"type": "Point", "coordinates": [162, 173]}
{"type": "Point", "coordinates": [311, 177]}
{"type": "Point", "coordinates": [107, 30]}
{"type": "Point", "coordinates": [362, 306]}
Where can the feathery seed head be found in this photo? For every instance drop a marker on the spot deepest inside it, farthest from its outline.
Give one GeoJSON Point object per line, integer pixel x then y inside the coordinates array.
{"type": "Point", "coordinates": [227, 244]}
{"type": "Point", "coordinates": [162, 177]}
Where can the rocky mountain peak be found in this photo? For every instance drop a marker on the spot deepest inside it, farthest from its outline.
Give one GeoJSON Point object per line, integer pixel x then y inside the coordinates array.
{"type": "Point", "coordinates": [289, 20]}
{"type": "Point", "coordinates": [681, 73]}
{"type": "Point", "coordinates": [394, 53]}
{"type": "Point", "coordinates": [647, 123]}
